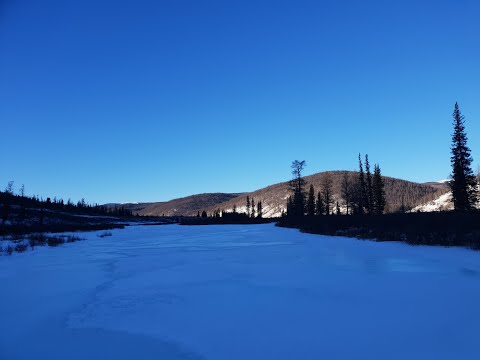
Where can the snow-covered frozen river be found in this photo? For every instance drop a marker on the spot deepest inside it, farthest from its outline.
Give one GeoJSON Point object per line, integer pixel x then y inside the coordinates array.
{"type": "Point", "coordinates": [238, 292]}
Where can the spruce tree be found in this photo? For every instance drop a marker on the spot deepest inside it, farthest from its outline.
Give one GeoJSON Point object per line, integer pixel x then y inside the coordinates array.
{"type": "Point", "coordinates": [360, 190]}
{"type": "Point", "coordinates": [368, 186]}
{"type": "Point", "coordinates": [327, 192]}
{"type": "Point", "coordinates": [319, 208]}
{"type": "Point", "coordinates": [297, 185]}
{"type": "Point", "coordinates": [311, 201]}
{"type": "Point", "coordinates": [259, 210]}
{"type": "Point", "coordinates": [463, 184]}
{"type": "Point", "coordinates": [289, 206]}
{"type": "Point", "coordinates": [252, 214]}
{"type": "Point", "coordinates": [248, 206]}
{"type": "Point", "coordinates": [378, 191]}
{"type": "Point", "coordinates": [347, 190]}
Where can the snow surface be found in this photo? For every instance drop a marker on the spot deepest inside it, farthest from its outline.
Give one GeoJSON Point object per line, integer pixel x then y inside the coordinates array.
{"type": "Point", "coordinates": [442, 203]}
{"type": "Point", "coordinates": [238, 292]}
{"type": "Point", "coordinates": [268, 211]}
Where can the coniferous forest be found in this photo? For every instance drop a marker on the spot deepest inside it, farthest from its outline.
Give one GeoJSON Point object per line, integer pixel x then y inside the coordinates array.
{"type": "Point", "coordinates": [365, 203]}
{"type": "Point", "coordinates": [26, 214]}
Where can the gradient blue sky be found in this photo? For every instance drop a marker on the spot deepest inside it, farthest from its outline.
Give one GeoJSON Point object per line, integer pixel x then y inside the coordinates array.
{"type": "Point", "coordinates": [120, 101]}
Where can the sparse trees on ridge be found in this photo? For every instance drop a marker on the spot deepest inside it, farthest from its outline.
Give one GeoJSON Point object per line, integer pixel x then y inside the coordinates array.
{"type": "Point", "coordinates": [9, 188]}
{"type": "Point", "coordinates": [9, 198]}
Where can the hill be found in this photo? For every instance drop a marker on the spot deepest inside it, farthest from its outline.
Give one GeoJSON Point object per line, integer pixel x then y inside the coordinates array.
{"type": "Point", "coordinates": [274, 197]}
{"type": "Point", "coordinates": [398, 192]}
{"type": "Point", "coordinates": [185, 206]}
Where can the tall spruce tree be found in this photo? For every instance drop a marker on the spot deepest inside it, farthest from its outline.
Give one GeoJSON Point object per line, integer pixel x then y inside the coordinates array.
{"type": "Point", "coordinates": [311, 201]}
{"type": "Point", "coordinates": [360, 188]}
{"type": "Point", "coordinates": [290, 206]}
{"type": "Point", "coordinates": [368, 187]}
{"type": "Point", "coordinates": [297, 185]}
{"type": "Point", "coordinates": [463, 184]}
{"type": "Point", "coordinates": [327, 192]}
{"type": "Point", "coordinates": [319, 209]}
{"type": "Point", "coordinates": [347, 190]}
{"type": "Point", "coordinates": [252, 215]}
{"type": "Point", "coordinates": [379, 201]}
{"type": "Point", "coordinates": [259, 210]}
{"type": "Point", "coordinates": [248, 206]}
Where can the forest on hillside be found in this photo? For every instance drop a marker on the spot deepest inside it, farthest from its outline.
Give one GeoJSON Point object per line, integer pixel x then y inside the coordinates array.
{"type": "Point", "coordinates": [365, 196]}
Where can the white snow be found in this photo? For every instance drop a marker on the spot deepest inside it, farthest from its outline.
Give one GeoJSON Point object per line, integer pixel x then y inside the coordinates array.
{"type": "Point", "coordinates": [267, 210]}
{"type": "Point", "coordinates": [238, 292]}
{"type": "Point", "coordinates": [442, 203]}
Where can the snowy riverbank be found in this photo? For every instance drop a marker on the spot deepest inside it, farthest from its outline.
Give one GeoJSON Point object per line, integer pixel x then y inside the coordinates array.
{"type": "Point", "coordinates": [238, 292]}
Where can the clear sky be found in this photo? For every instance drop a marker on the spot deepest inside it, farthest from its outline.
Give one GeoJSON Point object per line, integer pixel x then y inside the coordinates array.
{"type": "Point", "coordinates": [118, 101]}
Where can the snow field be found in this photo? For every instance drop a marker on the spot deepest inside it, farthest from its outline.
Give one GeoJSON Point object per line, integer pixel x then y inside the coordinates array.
{"type": "Point", "coordinates": [238, 292]}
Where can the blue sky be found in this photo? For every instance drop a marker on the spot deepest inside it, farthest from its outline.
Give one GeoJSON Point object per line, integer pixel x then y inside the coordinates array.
{"type": "Point", "coordinates": [118, 101]}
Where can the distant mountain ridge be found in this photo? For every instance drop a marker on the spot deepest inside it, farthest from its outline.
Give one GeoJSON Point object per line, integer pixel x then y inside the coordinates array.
{"type": "Point", "coordinates": [186, 206]}
{"type": "Point", "coordinates": [274, 197]}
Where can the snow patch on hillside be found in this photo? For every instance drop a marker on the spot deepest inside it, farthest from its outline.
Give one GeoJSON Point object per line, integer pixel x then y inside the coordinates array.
{"type": "Point", "coordinates": [268, 211]}
{"type": "Point", "coordinates": [442, 203]}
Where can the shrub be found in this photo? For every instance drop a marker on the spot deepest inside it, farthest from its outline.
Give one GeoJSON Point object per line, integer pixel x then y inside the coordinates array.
{"type": "Point", "coordinates": [16, 237]}
{"type": "Point", "coordinates": [104, 234]}
{"type": "Point", "coordinates": [9, 250]}
{"type": "Point", "coordinates": [21, 247]}
{"type": "Point", "coordinates": [72, 238]}
{"type": "Point", "coordinates": [37, 239]}
{"type": "Point", "coordinates": [55, 240]}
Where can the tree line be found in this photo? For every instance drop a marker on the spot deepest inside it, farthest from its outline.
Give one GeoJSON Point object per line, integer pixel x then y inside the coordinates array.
{"type": "Point", "coordinates": [9, 199]}
{"type": "Point", "coordinates": [252, 211]}
{"type": "Point", "coordinates": [364, 193]}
